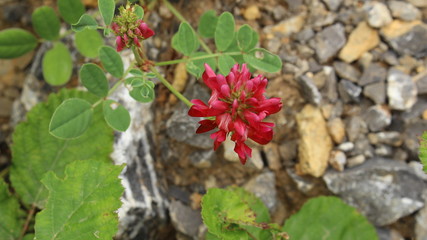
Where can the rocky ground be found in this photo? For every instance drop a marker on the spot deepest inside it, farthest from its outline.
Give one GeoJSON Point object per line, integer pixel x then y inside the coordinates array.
{"type": "Point", "coordinates": [353, 84]}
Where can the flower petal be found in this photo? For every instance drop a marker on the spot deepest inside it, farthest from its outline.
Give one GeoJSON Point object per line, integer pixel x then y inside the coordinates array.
{"type": "Point", "coordinates": [218, 138]}
{"type": "Point", "coordinates": [243, 151]}
{"type": "Point", "coordinates": [206, 125]}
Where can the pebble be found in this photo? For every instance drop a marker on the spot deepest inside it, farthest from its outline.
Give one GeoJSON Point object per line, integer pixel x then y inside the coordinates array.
{"type": "Point", "coordinates": [348, 91]}
{"type": "Point", "coordinates": [362, 146]}
{"type": "Point", "coordinates": [401, 90]}
{"type": "Point", "coordinates": [412, 41]}
{"type": "Point", "coordinates": [383, 150]}
{"type": "Point", "coordinates": [376, 92]}
{"type": "Point", "coordinates": [272, 154]}
{"type": "Point", "coordinates": [303, 183]}
{"type": "Point", "coordinates": [288, 152]}
{"type": "Point", "coordinates": [185, 219]}
{"type": "Point", "coordinates": [333, 5]}
{"type": "Point", "coordinates": [229, 153]}
{"type": "Point", "coordinates": [377, 118]}
{"type": "Point", "coordinates": [252, 13]}
{"type": "Point", "coordinates": [329, 41]}
{"type": "Point", "coordinates": [264, 187]}
{"type": "Point", "coordinates": [305, 34]}
{"type": "Point", "coordinates": [338, 160]}
{"type": "Point", "coordinates": [347, 71]}
{"type": "Point", "coordinates": [372, 74]}
{"type": "Point", "coordinates": [354, 127]}
{"type": "Point", "coordinates": [309, 90]}
{"type": "Point", "coordinates": [377, 13]}
{"type": "Point", "coordinates": [346, 146]}
{"type": "Point", "coordinates": [404, 10]}
{"type": "Point", "coordinates": [331, 83]}
{"type": "Point", "coordinates": [421, 82]}
{"type": "Point", "coordinates": [255, 161]}
{"type": "Point", "coordinates": [390, 58]}
{"type": "Point", "coordinates": [392, 138]}
{"type": "Point", "coordinates": [319, 79]}
{"type": "Point", "coordinates": [418, 3]}
{"type": "Point", "coordinates": [202, 159]}
{"type": "Point", "coordinates": [5, 107]}
{"type": "Point", "coordinates": [362, 39]}
{"type": "Point", "coordinates": [355, 161]}
{"type": "Point", "coordinates": [286, 27]}
{"type": "Point", "coordinates": [336, 129]}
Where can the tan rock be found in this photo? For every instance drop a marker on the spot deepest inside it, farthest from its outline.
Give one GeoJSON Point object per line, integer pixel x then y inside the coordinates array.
{"type": "Point", "coordinates": [362, 39]}
{"type": "Point", "coordinates": [315, 143]}
{"type": "Point", "coordinates": [425, 115]}
{"type": "Point", "coordinates": [336, 128]}
{"type": "Point", "coordinates": [272, 154]}
{"type": "Point", "coordinates": [338, 160]}
{"type": "Point", "coordinates": [179, 80]}
{"type": "Point", "coordinates": [286, 27]}
{"type": "Point", "coordinates": [398, 28]}
{"type": "Point", "coordinates": [252, 13]}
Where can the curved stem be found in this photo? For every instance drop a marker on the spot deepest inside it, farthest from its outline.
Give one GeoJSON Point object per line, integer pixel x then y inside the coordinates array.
{"type": "Point", "coordinates": [27, 221]}
{"type": "Point", "coordinates": [196, 58]}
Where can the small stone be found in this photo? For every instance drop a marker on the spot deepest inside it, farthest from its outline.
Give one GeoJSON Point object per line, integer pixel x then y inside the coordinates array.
{"type": "Point", "coordinates": [366, 59]}
{"type": "Point", "coordinates": [354, 127]}
{"type": "Point", "coordinates": [255, 161]}
{"type": "Point", "coordinates": [315, 143]}
{"type": "Point", "coordinates": [5, 107]}
{"type": "Point", "coordinates": [252, 13]}
{"type": "Point", "coordinates": [400, 155]}
{"type": "Point", "coordinates": [377, 117]}
{"type": "Point", "coordinates": [338, 160]}
{"type": "Point", "coordinates": [272, 154]}
{"type": "Point", "coordinates": [333, 5]}
{"type": "Point", "coordinates": [185, 219]}
{"type": "Point", "coordinates": [202, 159]}
{"type": "Point", "coordinates": [347, 71]}
{"type": "Point", "coordinates": [309, 90]}
{"type": "Point", "coordinates": [286, 27]}
{"type": "Point", "coordinates": [319, 79]}
{"type": "Point", "coordinates": [362, 147]}
{"type": "Point", "coordinates": [279, 12]}
{"type": "Point", "coordinates": [418, 3]}
{"type": "Point", "coordinates": [421, 82]}
{"type": "Point", "coordinates": [390, 58]}
{"type": "Point", "coordinates": [401, 90]}
{"type": "Point", "coordinates": [229, 153]}
{"type": "Point", "coordinates": [331, 83]}
{"type": "Point", "coordinates": [329, 41]}
{"type": "Point", "coordinates": [390, 138]}
{"type": "Point", "coordinates": [336, 129]}
{"type": "Point", "coordinates": [375, 92]}
{"type": "Point", "coordinates": [346, 146]}
{"type": "Point", "coordinates": [305, 34]}
{"type": "Point", "coordinates": [412, 41]}
{"type": "Point", "coordinates": [264, 187]}
{"type": "Point", "coordinates": [373, 74]}
{"type": "Point", "coordinates": [349, 92]}
{"type": "Point", "coordinates": [179, 80]}
{"type": "Point", "coordinates": [288, 152]}
{"type": "Point", "coordinates": [378, 14]}
{"type": "Point", "coordinates": [404, 11]}
{"type": "Point", "coordinates": [383, 150]}
{"type": "Point", "coordinates": [303, 184]}
{"type": "Point", "coordinates": [355, 161]}
{"type": "Point", "coordinates": [424, 115]}
{"type": "Point", "coordinates": [361, 40]}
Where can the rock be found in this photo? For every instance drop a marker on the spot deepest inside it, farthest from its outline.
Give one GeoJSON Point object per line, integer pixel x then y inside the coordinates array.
{"type": "Point", "coordinates": [329, 41]}
{"type": "Point", "coordinates": [401, 90]}
{"type": "Point", "coordinates": [319, 79]}
{"type": "Point", "coordinates": [377, 13]}
{"type": "Point", "coordinates": [418, 3]}
{"type": "Point", "coordinates": [347, 71]}
{"type": "Point", "coordinates": [375, 92]}
{"type": "Point", "coordinates": [411, 136]}
{"type": "Point", "coordinates": [185, 219]}
{"type": "Point", "coordinates": [264, 187]}
{"type": "Point", "coordinates": [309, 90]}
{"type": "Point", "coordinates": [374, 73]}
{"type": "Point", "coordinates": [388, 234]}
{"type": "Point", "coordinates": [229, 153]}
{"type": "Point", "coordinates": [202, 159]}
{"type": "Point", "coordinates": [349, 92]}
{"type": "Point", "coordinates": [355, 126]}
{"type": "Point", "coordinates": [279, 12]}
{"type": "Point", "coordinates": [377, 118]}
{"type": "Point", "coordinates": [179, 80]}
{"type": "Point", "coordinates": [421, 223]}
{"type": "Point", "coordinates": [336, 129]}
{"type": "Point", "coordinates": [255, 161]}
{"type": "Point", "coordinates": [272, 154]}
{"type": "Point", "coordinates": [407, 38]}
{"type": "Point", "coordinates": [424, 115]}
{"type": "Point", "coordinates": [355, 161]}
{"type": "Point", "coordinates": [390, 58]}
{"type": "Point", "coordinates": [303, 184]}
{"type": "Point", "coordinates": [305, 34]}
{"type": "Point", "coordinates": [286, 27]}
{"type": "Point", "coordinates": [331, 84]}
{"type": "Point", "coordinates": [404, 11]}
{"type": "Point", "coordinates": [390, 138]}
{"type": "Point", "coordinates": [383, 150]}
{"type": "Point", "coordinates": [333, 5]}
{"type": "Point", "coordinates": [421, 82]}
{"type": "Point", "coordinates": [338, 160]}
{"type": "Point", "coordinates": [346, 146]}
{"type": "Point", "coordinates": [362, 39]}
{"type": "Point", "coordinates": [288, 152]}
{"type": "Point", "coordinates": [362, 147]}
{"type": "Point", "coordinates": [251, 13]}
{"type": "Point", "coordinates": [315, 143]}
{"type": "Point", "coordinates": [319, 16]}
{"type": "Point", "coordinates": [381, 189]}
{"type": "Point", "coordinates": [5, 107]}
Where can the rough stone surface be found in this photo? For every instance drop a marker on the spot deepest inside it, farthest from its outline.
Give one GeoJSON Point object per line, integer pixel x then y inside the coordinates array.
{"type": "Point", "coordinates": [288, 152]}
{"type": "Point", "coordinates": [303, 184]}
{"type": "Point", "coordinates": [404, 10]}
{"type": "Point", "coordinates": [347, 71]}
{"type": "Point", "coordinates": [202, 159]}
{"type": "Point", "coordinates": [272, 154]}
{"type": "Point", "coordinates": [421, 223]}
{"type": "Point", "coordinates": [185, 219]}
{"type": "Point", "coordinates": [331, 84]}
{"type": "Point", "coordinates": [263, 186]}
{"type": "Point", "coordinates": [346, 146]}
{"type": "Point", "coordinates": [391, 138]}
{"type": "Point", "coordinates": [356, 160]}
{"type": "Point", "coordinates": [421, 82]}
{"type": "Point", "coordinates": [349, 92]}
{"type": "Point", "coordinates": [411, 137]}
{"type": "Point", "coordinates": [315, 143]}
{"type": "Point", "coordinates": [382, 189]}
{"type": "Point", "coordinates": [418, 3]}
{"type": "Point", "coordinates": [309, 90]}
{"type": "Point", "coordinates": [362, 39]}
{"type": "Point", "coordinates": [374, 73]}
{"type": "Point", "coordinates": [286, 27]}
{"type": "Point", "coordinates": [333, 5]}
{"type": "Point", "coordinates": [377, 118]}
{"type": "Point", "coordinates": [5, 107]}
{"type": "Point", "coordinates": [377, 13]}
{"type": "Point", "coordinates": [412, 42]}
{"type": "Point", "coordinates": [336, 128]}
{"type": "Point", "coordinates": [401, 90]}
{"type": "Point", "coordinates": [376, 92]}
{"type": "Point", "coordinates": [355, 126]}
{"type": "Point", "coordinates": [338, 160]}
{"type": "Point", "coordinates": [329, 41]}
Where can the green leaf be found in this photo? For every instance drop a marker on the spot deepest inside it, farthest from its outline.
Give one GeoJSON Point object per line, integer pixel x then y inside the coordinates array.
{"type": "Point", "coordinates": [207, 24]}
{"type": "Point", "coordinates": [46, 23]}
{"type": "Point", "coordinates": [263, 60]}
{"type": "Point", "coordinates": [106, 7]}
{"type": "Point", "coordinates": [139, 11]}
{"type": "Point", "coordinates": [144, 93]}
{"type": "Point", "coordinates": [88, 42]}
{"type": "Point", "coordinates": [57, 65]}
{"type": "Point", "coordinates": [85, 22]}
{"type": "Point", "coordinates": [244, 37]}
{"type": "Point", "coordinates": [93, 78]}
{"type": "Point", "coordinates": [329, 218]}
{"type": "Point", "coordinates": [71, 10]}
{"type": "Point", "coordinates": [35, 151]}
{"type": "Point", "coordinates": [225, 63]}
{"type": "Point", "coordinates": [29, 236]}
{"type": "Point", "coordinates": [186, 39]}
{"type": "Point", "coordinates": [12, 216]}
{"type": "Point", "coordinates": [15, 42]}
{"type": "Point", "coordinates": [116, 115]}
{"type": "Point", "coordinates": [196, 67]}
{"type": "Point", "coordinates": [224, 31]}
{"type": "Point", "coordinates": [111, 61]}
{"type": "Point", "coordinates": [423, 150]}
{"type": "Point", "coordinates": [83, 204]}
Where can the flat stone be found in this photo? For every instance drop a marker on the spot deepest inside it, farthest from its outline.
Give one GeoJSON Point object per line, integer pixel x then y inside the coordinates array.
{"type": "Point", "coordinates": [229, 153]}
{"type": "Point", "coordinates": [412, 41]}
{"type": "Point", "coordinates": [390, 58]}
{"type": "Point", "coordinates": [348, 91]}
{"type": "Point", "coordinates": [390, 138]}
{"type": "Point", "coordinates": [338, 160]}
{"type": "Point", "coordinates": [383, 190]}
{"type": "Point", "coordinates": [305, 34]}
{"type": "Point", "coordinates": [376, 92]}
{"type": "Point", "coordinates": [362, 147]}
{"type": "Point", "coordinates": [372, 74]}
{"type": "Point", "coordinates": [185, 219]}
{"type": "Point", "coordinates": [355, 126]}
{"type": "Point", "coordinates": [303, 184]}
{"type": "Point", "coordinates": [336, 128]}
{"type": "Point", "coordinates": [288, 152]}
{"type": "Point", "coordinates": [398, 28]}
{"type": "Point", "coordinates": [264, 187]}
{"type": "Point", "coordinates": [362, 39]}
{"type": "Point", "coordinates": [411, 137]}
{"type": "Point", "coordinates": [377, 118]}
{"type": "Point", "coordinates": [255, 162]}
{"type": "Point", "coordinates": [404, 10]}
{"type": "Point", "coordinates": [401, 90]}
{"type": "Point", "coordinates": [346, 146]}
{"type": "Point", "coordinates": [356, 160]}
{"type": "Point", "coordinates": [383, 150]}
{"type": "Point", "coordinates": [286, 27]}
{"type": "Point", "coordinates": [421, 82]}
{"type": "Point", "coordinates": [329, 41]}
{"type": "Point", "coordinates": [333, 5]}
{"type": "Point", "coordinates": [309, 90]}
{"type": "Point", "coordinates": [347, 71]}
{"type": "Point", "coordinates": [378, 14]}
{"type": "Point", "coordinates": [331, 83]}
{"type": "Point", "coordinates": [418, 3]}
{"type": "Point", "coordinates": [315, 143]}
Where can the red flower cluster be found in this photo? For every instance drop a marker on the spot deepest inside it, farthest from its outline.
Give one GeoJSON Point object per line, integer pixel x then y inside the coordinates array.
{"type": "Point", "coordinates": [239, 107]}
{"type": "Point", "coordinates": [140, 32]}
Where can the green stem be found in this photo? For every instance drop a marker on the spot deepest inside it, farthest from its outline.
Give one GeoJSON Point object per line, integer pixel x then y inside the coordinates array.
{"type": "Point", "coordinates": [170, 87]}
{"type": "Point", "coordinates": [196, 58]}
{"type": "Point", "coordinates": [182, 19]}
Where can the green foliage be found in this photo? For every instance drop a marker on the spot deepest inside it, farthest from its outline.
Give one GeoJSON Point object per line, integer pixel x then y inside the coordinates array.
{"type": "Point", "coordinates": [71, 118]}
{"type": "Point", "coordinates": [46, 23]}
{"type": "Point", "coordinates": [93, 78]}
{"type": "Point", "coordinates": [224, 31]}
{"type": "Point", "coordinates": [263, 60]}
{"type": "Point", "coordinates": [185, 40]}
{"type": "Point", "coordinates": [196, 67]}
{"type": "Point", "coordinates": [57, 65]}
{"type": "Point", "coordinates": [85, 22]}
{"type": "Point", "coordinates": [423, 151]}
{"type": "Point", "coordinates": [329, 218]}
{"type": "Point", "coordinates": [116, 115]}
{"type": "Point", "coordinates": [106, 7]}
{"type": "Point", "coordinates": [88, 42]}
{"type": "Point", "coordinates": [82, 204]}
{"type": "Point", "coordinates": [140, 89]}
{"type": "Point", "coordinates": [207, 24]}
{"type": "Point", "coordinates": [111, 61]}
{"type": "Point", "coordinates": [246, 38]}
{"type": "Point", "coordinates": [12, 217]}
{"type": "Point", "coordinates": [139, 11]}
{"type": "Point", "coordinates": [15, 42]}
{"type": "Point", "coordinates": [225, 63]}
{"type": "Point", "coordinates": [71, 10]}
{"type": "Point", "coordinates": [35, 151]}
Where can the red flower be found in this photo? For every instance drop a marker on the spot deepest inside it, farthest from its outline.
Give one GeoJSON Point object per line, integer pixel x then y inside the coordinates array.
{"type": "Point", "coordinates": [239, 107]}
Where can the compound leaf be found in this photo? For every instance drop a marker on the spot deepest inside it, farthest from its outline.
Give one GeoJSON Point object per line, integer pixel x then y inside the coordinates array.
{"type": "Point", "coordinates": [12, 217]}
{"type": "Point", "coordinates": [224, 31]}
{"type": "Point", "coordinates": [207, 24]}
{"type": "Point", "coordinates": [94, 79]}
{"type": "Point", "coordinates": [57, 65]}
{"type": "Point", "coordinates": [71, 10]}
{"type": "Point", "coordinates": [106, 7]}
{"type": "Point", "coordinates": [88, 42]}
{"type": "Point", "coordinates": [111, 61]}
{"type": "Point", "coordinates": [263, 60]}
{"type": "Point", "coordinates": [46, 23]}
{"type": "Point", "coordinates": [225, 63]}
{"type": "Point", "coordinates": [186, 41]}
{"type": "Point", "coordinates": [85, 22]}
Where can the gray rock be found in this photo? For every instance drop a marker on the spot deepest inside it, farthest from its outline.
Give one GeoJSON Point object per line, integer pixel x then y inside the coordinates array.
{"type": "Point", "coordinates": [401, 90]}
{"type": "Point", "coordinates": [421, 82]}
{"type": "Point", "coordinates": [329, 41]}
{"type": "Point", "coordinates": [413, 42]}
{"type": "Point", "coordinates": [421, 223]}
{"type": "Point", "coordinates": [362, 147]}
{"type": "Point", "coordinates": [305, 35]}
{"type": "Point", "coordinates": [376, 92]}
{"type": "Point", "coordinates": [333, 5]}
{"type": "Point", "coordinates": [411, 137]}
{"type": "Point", "coordinates": [288, 152]}
{"type": "Point", "coordinates": [264, 187]}
{"type": "Point", "coordinates": [373, 74]}
{"type": "Point", "coordinates": [202, 159]}
{"type": "Point", "coordinates": [331, 84]}
{"type": "Point", "coordinates": [272, 154]}
{"type": "Point", "coordinates": [309, 90]}
{"type": "Point", "coordinates": [354, 127]}
{"type": "Point", "coordinates": [303, 183]}
{"type": "Point", "coordinates": [388, 234]}
{"type": "Point", "coordinates": [347, 71]}
{"type": "Point", "coordinates": [355, 161]}
{"type": "Point", "coordinates": [377, 13]}
{"type": "Point", "coordinates": [382, 189]}
{"type": "Point", "coordinates": [383, 150]}
{"type": "Point", "coordinates": [404, 10]}
{"type": "Point", "coordinates": [377, 118]}
{"type": "Point", "coordinates": [185, 219]}
{"type": "Point", "coordinates": [255, 161]}
{"type": "Point", "coordinates": [390, 138]}
{"type": "Point", "coordinates": [414, 113]}
{"type": "Point", "coordinates": [390, 58]}
{"type": "Point", "coordinates": [348, 91]}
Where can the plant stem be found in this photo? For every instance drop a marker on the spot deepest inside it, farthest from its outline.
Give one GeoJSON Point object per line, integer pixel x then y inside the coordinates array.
{"type": "Point", "coordinates": [27, 221]}
{"type": "Point", "coordinates": [196, 58]}
{"type": "Point", "coordinates": [170, 87]}
{"type": "Point", "coordinates": [182, 19]}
